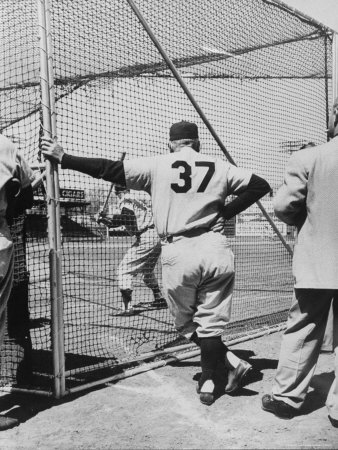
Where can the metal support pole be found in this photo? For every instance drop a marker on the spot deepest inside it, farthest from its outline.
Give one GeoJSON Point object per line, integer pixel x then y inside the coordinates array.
{"type": "Point", "coordinates": [185, 88]}
{"type": "Point", "coordinates": [326, 83]}
{"type": "Point", "coordinates": [60, 321]}
{"type": "Point", "coordinates": [51, 196]}
{"type": "Point", "coordinates": [334, 66]}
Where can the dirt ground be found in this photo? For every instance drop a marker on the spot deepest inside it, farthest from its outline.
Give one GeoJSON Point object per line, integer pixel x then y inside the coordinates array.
{"type": "Point", "coordinates": [160, 409]}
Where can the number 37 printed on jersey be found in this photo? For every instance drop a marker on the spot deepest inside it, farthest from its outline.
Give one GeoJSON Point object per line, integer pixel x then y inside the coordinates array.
{"type": "Point", "coordinates": [185, 175]}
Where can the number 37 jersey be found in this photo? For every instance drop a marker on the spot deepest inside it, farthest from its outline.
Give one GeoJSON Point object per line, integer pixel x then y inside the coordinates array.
{"type": "Point", "coordinates": [187, 188]}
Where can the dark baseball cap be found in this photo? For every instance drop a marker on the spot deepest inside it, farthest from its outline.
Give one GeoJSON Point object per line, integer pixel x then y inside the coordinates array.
{"type": "Point", "coordinates": [183, 130]}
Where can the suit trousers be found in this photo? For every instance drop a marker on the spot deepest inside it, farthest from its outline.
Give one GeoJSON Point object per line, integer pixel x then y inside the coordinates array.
{"type": "Point", "coordinates": [328, 336]}
{"type": "Point", "coordinates": [301, 346]}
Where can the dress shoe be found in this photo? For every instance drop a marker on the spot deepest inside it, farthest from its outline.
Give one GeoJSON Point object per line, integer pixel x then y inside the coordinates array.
{"type": "Point", "coordinates": [235, 376]}
{"type": "Point", "coordinates": [334, 422]}
{"type": "Point", "coordinates": [206, 392]}
{"type": "Point", "coordinates": [277, 407]}
{"type": "Point", "coordinates": [7, 422]}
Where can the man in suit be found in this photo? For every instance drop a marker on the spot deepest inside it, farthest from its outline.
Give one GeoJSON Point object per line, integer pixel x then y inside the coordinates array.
{"type": "Point", "coordinates": [308, 200]}
{"type": "Point", "coordinates": [327, 346]}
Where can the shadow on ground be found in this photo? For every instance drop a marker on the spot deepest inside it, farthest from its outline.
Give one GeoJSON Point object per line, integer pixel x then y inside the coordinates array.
{"type": "Point", "coordinates": [256, 374]}
{"type": "Point", "coordinates": [316, 398]}
{"type": "Point", "coordinates": [25, 406]}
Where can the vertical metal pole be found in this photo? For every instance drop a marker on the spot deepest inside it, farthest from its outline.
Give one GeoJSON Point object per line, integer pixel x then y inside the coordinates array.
{"type": "Point", "coordinates": [183, 85]}
{"type": "Point", "coordinates": [326, 83]}
{"type": "Point", "coordinates": [51, 211]}
{"type": "Point", "coordinates": [58, 252]}
{"type": "Point", "coordinates": [334, 66]}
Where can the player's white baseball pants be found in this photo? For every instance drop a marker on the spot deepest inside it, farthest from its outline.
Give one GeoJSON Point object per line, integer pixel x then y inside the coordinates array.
{"type": "Point", "coordinates": [301, 345]}
{"type": "Point", "coordinates": [198, 279]}
{"type": "Point", "coordinates": [6, 281]}
{"type": "Point", "coordinates": [140, 258]}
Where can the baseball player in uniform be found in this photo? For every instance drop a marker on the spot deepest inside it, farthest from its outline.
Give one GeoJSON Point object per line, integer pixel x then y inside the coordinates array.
{"type": "Point", "coordinates": [16, 195]}
{"type": "Point", "coordinates": [308, 200]}
{"type": "Point", "coordinates": [142, 256]}
{"type": "Point", "coordinates": [188, 192]}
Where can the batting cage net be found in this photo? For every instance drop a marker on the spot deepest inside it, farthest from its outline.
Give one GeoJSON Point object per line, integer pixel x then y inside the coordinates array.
{"type": "Point", "coordinates": [108, 79]}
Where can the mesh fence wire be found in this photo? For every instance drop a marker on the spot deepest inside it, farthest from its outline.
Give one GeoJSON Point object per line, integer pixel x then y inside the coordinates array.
{"type": "Point", "coordinates": [262, 76]}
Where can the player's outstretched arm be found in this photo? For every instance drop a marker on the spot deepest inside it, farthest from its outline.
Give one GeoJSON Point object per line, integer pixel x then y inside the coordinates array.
{"type": "Point", "coordinates": [106, 169]}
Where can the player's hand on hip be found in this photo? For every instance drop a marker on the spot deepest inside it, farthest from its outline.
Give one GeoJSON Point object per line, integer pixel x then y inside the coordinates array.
{"type": "Point", "coordinates": [52, 150]}
{"type": "Point", "coordinates": [218, 225]}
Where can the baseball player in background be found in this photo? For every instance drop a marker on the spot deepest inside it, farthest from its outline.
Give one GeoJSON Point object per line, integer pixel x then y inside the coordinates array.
{"type": "Point", "coordinates": [16, 195]}
{"type": "Point", "coordinates": [308, 200]}
{"type": "Point", "coordinates": [136, 216]}
{"type": "Point", "coordinates": [188, 192]}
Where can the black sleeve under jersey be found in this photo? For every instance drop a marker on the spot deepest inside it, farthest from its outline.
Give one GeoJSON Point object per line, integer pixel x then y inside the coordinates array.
{"type": "Point", "coordinates": [256, 189]}
{"type": "Point", "coordinates": [106, 169]}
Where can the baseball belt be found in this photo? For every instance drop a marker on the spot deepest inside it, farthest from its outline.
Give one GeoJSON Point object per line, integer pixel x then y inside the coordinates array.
{"type": "Point", "coordinates": [145, 229]}
{"type": "Point", "coordinates": [186, 234]}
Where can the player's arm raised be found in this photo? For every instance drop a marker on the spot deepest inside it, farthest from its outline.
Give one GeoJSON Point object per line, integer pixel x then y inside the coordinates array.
{"type": "Point", "coordinates": [106, 169]}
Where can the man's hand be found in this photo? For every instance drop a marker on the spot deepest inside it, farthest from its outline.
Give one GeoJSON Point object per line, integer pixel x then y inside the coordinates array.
{"type": "Point", "coordinates": [51, 150]}
{"type": "Point", "coordinates": [218, 225]}
{"type": "Point", "coordinates": [100, 217]}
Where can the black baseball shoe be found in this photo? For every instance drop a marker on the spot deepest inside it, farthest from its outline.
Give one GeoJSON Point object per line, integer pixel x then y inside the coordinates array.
{"type": "Point", "coordinates": [334, 422]}
{"type": "Point", "coordinates": [277, 407]}
{"type": "Point", "coordinates": [160, 303]}
{"type": "Point", "coordinates": [236, 376]}
{"type": "Point", "coordinates": [206, 392]}
{"type": "Point", "coordinates": [8, 422]}
{"type": "Point", "coordinates": [127, 312]}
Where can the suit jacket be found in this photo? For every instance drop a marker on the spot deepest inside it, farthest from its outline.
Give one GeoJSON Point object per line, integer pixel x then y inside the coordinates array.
{"type": "Point", "coordinates": [308, 199]}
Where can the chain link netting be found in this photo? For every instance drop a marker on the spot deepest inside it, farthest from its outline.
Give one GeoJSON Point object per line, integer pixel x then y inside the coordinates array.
{"type": "Point", "coordinates": [262, 76]}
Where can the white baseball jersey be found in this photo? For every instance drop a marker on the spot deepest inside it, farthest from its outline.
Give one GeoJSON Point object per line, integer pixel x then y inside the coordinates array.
{"type": "Point", "coordinates": [140, 203]}
{"type": "Point", "coordinates": [187, 188]}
